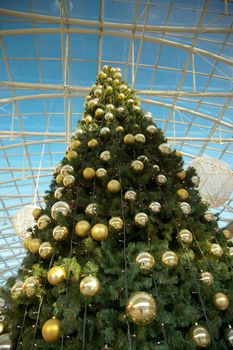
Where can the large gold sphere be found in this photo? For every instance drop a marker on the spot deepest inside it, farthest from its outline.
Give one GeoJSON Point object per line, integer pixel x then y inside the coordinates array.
{"type": "Point", "coordinates": [26, 242]}
{"type": "Point", "coordinates": [220, 301]}
{"type": "Point", "coordinates": [88, 173]}
{"type": "Point", "coordinates": [29, 286]}
{"type": "Point", "coordinates": [58, 192]}
{"type": "Point", "coordinates": [59, 179]}
{"type": "Point", "coordinates": [60, 233]}
{"type": "Point", "coordinates": [105, 155]}
{"type": "Point", "coordinates": [2, 328]}
{"type": "Point", "coordinates": [46, 250]}
{"type": "Point", "coordinates": [92, 143]}
{"type": "Point", "coordinates": [68, 180]}
{"type": "Point", "coordinates": [200, 336]}
{"type": "Point", "coordinates": [129, 139]}
{"type": "Point", "coordinates": [227, 234]}
{"type": "Point", "coordinates": [71, 155]}
{"type": "Point", "coordinates": [207, 278]}
{"type": "Point", "coordinates": [56, 275]}
{"type": "Point", "coordinates": [141, 219]}
{"type": "Point", "coordinates": [165, 148]}
{"type": "Point", "coordinates": [130, 196]}
{"type": "Point", "coordinates": [170, 258]}
{"type": "Point", "coordinates": [75, 144]}
{"type": "Point", "coordinates": [140, 138]}
{"type": "Point", "coordinates": [185, 207]}
{"type": "Point", "coordinates": [51, 330]}
{"type": "Point", "coordinates": [17, 290]}
{"type": "Point", "coordinates": [185, 236]}
{"type": "Point", "coordinates": [60, 207]}
{"type": "Point", "coordinates": [216, 250]}
{"type": "Point", "coordinates": [43, 222]}
{"type": "Point", "coordinates": [34, 245]}
{"type": "Point", "coordinates": [91, 209]}
{"type": "Point", "coordinates": [151, 129]}
{"type": "Point", "coordinates": [181, 175]}
{"type": "Point", "coordinates": [101, 172]}
{"type": "Point", "coordinates": [116, 223]}
{"type": "Point", "coordinates": [66, 170]}
{"type": "Point", "coordinates": [99, 112]}
{"type": "Point", "coordinates": [82, 228]}
{"type": "Point", "coordinates": [182, 193]}
{"type": "Point", "coordinates": [137, 166]}
{"type": "Point", "coordinates": [141, 308]}
{"type": "Point", "coordinates": [99, 232]}
{"type": "Point", "coordinates": [145, 261]}
{"type": "Point", "coordinates": [36, 212]}
{"type": "Point", "coordinates": [113, 186]}
{"type": "Point", "coordinates": [89, 286]}
{"type": "Point", "coordinates": [88, 119]}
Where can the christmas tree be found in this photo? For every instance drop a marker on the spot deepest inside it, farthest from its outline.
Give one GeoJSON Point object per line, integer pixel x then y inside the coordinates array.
{"type": "Point", "coordinates": [125, 255]}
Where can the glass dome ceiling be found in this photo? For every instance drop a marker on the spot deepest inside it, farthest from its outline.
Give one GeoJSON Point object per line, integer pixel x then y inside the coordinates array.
{"type": "Point", "coordinates": [176, 54]}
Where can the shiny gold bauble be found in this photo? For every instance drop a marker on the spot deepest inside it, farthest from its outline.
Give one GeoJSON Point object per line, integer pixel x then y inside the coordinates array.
{"type": "Point", "coordinates": [51, 330]}
{"type": "Point", "coordinates": [129, 139]}
{"type": "Point", "coordinates": [181, 175]}
{"type": "Point", "coordinates": [156, 168]}
{"type": "Point", "coordinates": [141, 219]}
{"type": "Point", "coordinates": [29, 286]}
{"type": "Point", "coordinates": [161, 179]}
{"type": "Point", "coordinates": [88, 119]}
{"type": "Point", "coordinates": [141, 308]}
{"type": "Point", "coordinates": [105, 131]}
{"type": "Point", "coordinates": [130, 196]}
{"type": "Point", "coordinates": [178, 154]}
{"type": "Point", "coordinates": [60, 233]}
{"type": "Point", "coordinates": [71, 155]}
{"type": "Point", "coordinates": [2, 328]}
{"type": "Point", "coordinates": [165, 148]}
{"type": "Point", "coordinates": [170, 258]}
{"type": "Point", "coordinates": [155, 207]}
{"type": "Point", "coordinates": [68, 180]}
{"type": "Point", "coordinates": [46, 250]}
{"type": "Point", "coordinates": [116, 223]}
{"type": "Point", "coordinates": [59, 179]}
{"type": "Point", "coordinates": [91, 209]}
{"type": "Point", "coordinates": [119, 128]}
{"type": "Point", "coordinates": [58, 168]}
{"type": "Point", "coordinates": [110, 107]}
{"type": "Point", "coordinates": [101, 172]}
{"type": "Point", "coordinates": [36, 212]}
{"type": "Point", "coordinates": [109, 117]}
{"type": "Point", "coordinates": [227, 234]}
{"type": "Point", "coordinates": [145, 261]}
{"type": "Point", "coordinates": [229, 336]}
{"type": "Point", "coordinates": [99, 112]}
{"type": "Point", "coordinates": [66, 170]}
{"type": "Point", "coordinates": [75, 144]}
{"type": "Point", "coordinates": [185, 207]}
{"type": "Point", "coordinates": [216, 250]}
{"type": "Point", "coordinates": [200, 336]}
{"type": "Point", "coordinates": [34, 245]}
{"type": "Point", "coordinates": [207, 278]}
{"type": "Point", "coordinates": [60, 207]}
{"type": "Point", "coordinates": [92, 143]}
{"type": "Point", "coordinates": [113, 186]}
{"type": "Point", "coordinates": [105, 155]}
{"type": "Point", "coordinates": [88, 173]}
{"type": "Point", "coordinates": [137, 166]}
{"type": "Point", "coordinates": [185, 236]}
{"type": "Point", "coordinates": [82, 228]}
{"type": "Point", "coordinates": [209, 216]}
{"type": "Point", "coordinates": [220, 301]}
{"type": "Point", "coordinates": [140, 138]}
{"type": "Point", "coordinates": [56, 275]}
{"type": "Point", "coordinates": [17, 290]}
{"type": "Point", "coordinates": [120, 96]}
{"type": "Point", "coordinates": [182, 193]}
{"type": "Point", "coordinates": [89, 286]}
{"type": "Point", "coordinates": [26, 242]}
{"type": "Point", "coordinates": [99, 232]}
{"type": "Point", "coordinates": [151, 129]}
{"type": "Point", "coordinates": [58, 192]}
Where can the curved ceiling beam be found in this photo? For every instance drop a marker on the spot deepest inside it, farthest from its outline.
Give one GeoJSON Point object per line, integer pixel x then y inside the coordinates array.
{"type": "Point", "coordinates": [29, 31]}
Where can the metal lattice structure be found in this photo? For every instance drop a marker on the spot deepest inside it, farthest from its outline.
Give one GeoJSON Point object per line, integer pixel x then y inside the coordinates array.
{"type": "Point", "coordinates": [176, 54]}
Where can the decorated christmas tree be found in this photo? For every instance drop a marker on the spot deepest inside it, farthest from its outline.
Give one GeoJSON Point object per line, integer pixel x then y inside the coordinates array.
{"type": "Point", "coordinates": [124, 255]}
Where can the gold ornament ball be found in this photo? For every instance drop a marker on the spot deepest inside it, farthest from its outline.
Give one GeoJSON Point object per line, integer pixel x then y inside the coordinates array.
{"type": "Point", "coordinates": [220, 301]}
{"type": "Point", "coordinates": [141, 219]}
{"type": "Point", "coordinates": [227, 234]}
{"type": "Point", "coordinates": [120, 96]}
{"type": "Point", "coordinates": [185, 207]}
{"type": "Point", "coordinates": [178, 154]}
{"type": "Point", "coordinates": [58, 168]}
{"type": "Point", "coordinates": [207, 278]}
{"type": "Point", "coordinates": [119, 128]}
{"type": "Point", "coordinates": [195, 180]}
{"type": "Point", "coordinates": [116, 223]}
{"type": "Point", "coordinates": [56, 275]}
{"type": "Point", "coordinates": [17, 290]}
{"type": "Point", "coordinates": [60, 233]}
{"type": "Point", "coordinates": [88, 173]}
{"type": "Point", "coordinates": [155, 207]}
{"type": "Point", "coordinates": [29, 286]}
{"type": "Point", "coordinates": [60, 207]}
{"type": "Point", "coordinates": [43, 222]}
{"type": "Point", "coordinates": [105, 155]}
{"type": "Point", "coordinates": [141, 308]}
{"type": "Point", "coordinates": [46, 250]}
{"type": "Point", "coordinates": [151, 129]}
{"type": "Point", "coordinates": [75, 144]}
{"type": "Point", "coordinates": [82, 228]}
{"type": "Point", "coordinates": [101, 172]}
{"type": "Point", "coordinates": [109, 117]}
{"type": "Point", "coordinates": [165, 148]}
{"type": "Point", "coordinates": [91, 209]}
{"type": "Point", "coordinates": [34, 245]}
{"type": "Point", "coordinates": [140, 138]}
{"type": "Point", "coordinates": [216, 250]}
{"type": "Point", "coordinates": [51, 330]}
{"type": "Point", "coordinates": [137, 166]}
{"type": "Point", "coordinates": [59, 179]}
{"type": "Point", "coordinates": [113, 186]}
{"type": "Point", "coordinates": [68, 180]}
{"type": "Point", "coordinates": [129, 139]}
{"type": "Point", "coordinates": [182, 194]}
{"type": "Point", "coordinates": [36, 212]}
{"type": "Point", "coordinates": [2, 328]}
{"type": "Point", "coordinates": [71, 155]}
{"type": "Point", "coordinates": [58, 192]}
{"type": "Point", "coordinates": [88, 119]}
{"type": "Point", "coordinates": [185, 236]}
{"type": "Point", "coordinates": [89, 286]}
{"type": "Point", "coordinates": [170, 258]}
{"type": "Point", "coordinates": [99, 112]}
{"type": "Point", "coordinates": [105, 131]}
{"type": "Point", "coordinates": [99, 232]}
{"type": "Point", "coordinates": [130, 196]}
{"type": "Point", "coordinates": [200, 336]}
{"type": "Point", "coordinates": [181, 175]}
{"type": "Point", "coordinates": [145, 261]}
{"type": "Point", "coordinates": [66, 170]}
{"type": "Point", "coordinates": [26, 242]}
{"type": "Point", "coordinates": [92, 143]}
{"type": "Point", "coordinates": [161, 179]}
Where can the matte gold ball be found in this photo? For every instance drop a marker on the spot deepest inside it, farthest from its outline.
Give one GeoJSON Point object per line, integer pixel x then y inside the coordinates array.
{"type": "Point", "coordinates": [68, 180]}
{"type": "Point", "coordinates": [26, 242]}
{"type": "Point", "coordinates": [46, 250]}
{"type": "Point", "coordinates": [141, 308]}
{"type": "Point", "coordinates": [60, 233]}
{"type": "Point", "coordinates": [141, 219]}
{"type": "Point", "coordinates": [101, 172]}
{"type": "Point", "coordinates": [220, 301]}
{"type": "Point", "coordinates": [17, 290]}
{"type": "Point", "coordinates": [116, 223]}
{"type": "Point", "coordinates": [99, 232]}
{"type": "Point", "coordinates": [88, 173]}
{"type": "Point", "coordinates": [181, 175]}
{"type": "Point", "coordinates": [91, 209]}
{"type": "Point", "coordinates": [66, 170]}
{"type": "Point", "coordinates": [71, 155]}
{"type": "Point", "coordinates": [207, 278]}
{"type": "Point", "coordinates": [140, 138]}
{"type": "Point", "coordinates": [200, 336]}
{"type": "Point", "coordinates": [129, 139]}
{"type": "Point", "coordinates": [92, 143]}
{"type": "Point", "coordinates": [119, 128]}
{"type": "Point", "coordinates": [183, 194]}
{"type": "Point", "coordinates": [227, 234]}
{"type": "Point", "coordinates": [51, 330]}
{"type": "Point", "coordinates": [29, 286]}
{"type": "Point", "coordinates": [137, 166]}
{"type": "Point", "coordinates": [34, 245]}
{"type": "Point", "coordinates": [82, 228]}
{"type": "Point", "coordinates": [60, 207]}
{"type": "Point", "coordinates": [216, 250]}
{"type": "Point", "coordinates": [56, 275]}
{"type": "Point", "coordinates": [170, 258]}
{"type": "Point", "coordinates": [130, 196]}
{"type": "Point", "coordinates": [105, 155]}
{"type": "Point", "coordinates": [185, 236]}
{"type": "Point", "coordinates": [178, 154]}
{"type": "Point", "coordinates": [145, 261]}
{"type": "Point", "coordinates": [36, 212]}
{"type": "Point", "coordinates": [89, 286]}
{"type": "Point", "coordinates": [59, 179]}
{"type": "Point", "coordinates": [113, 186]}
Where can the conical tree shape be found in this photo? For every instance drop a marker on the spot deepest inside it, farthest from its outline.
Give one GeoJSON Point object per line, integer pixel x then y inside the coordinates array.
{"type": "Point", "coordinates": [124, 255]}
